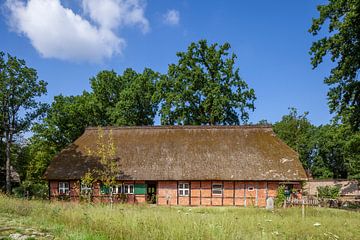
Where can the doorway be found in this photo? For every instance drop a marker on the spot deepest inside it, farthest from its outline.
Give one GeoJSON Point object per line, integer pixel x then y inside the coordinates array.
{"type": "Point", "coordinates": [151, 192]}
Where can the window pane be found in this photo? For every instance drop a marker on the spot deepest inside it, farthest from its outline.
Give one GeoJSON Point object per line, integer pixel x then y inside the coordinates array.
{"type": "Point", "coordinates": [186, 192]}
{"type": "Point", "coordinates": [131, 188]}
{"type": "Point", "coordinates": [217, 188]}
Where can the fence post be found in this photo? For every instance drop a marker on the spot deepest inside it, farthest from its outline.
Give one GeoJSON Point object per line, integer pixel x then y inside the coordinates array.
{"type": "Point", "coordinates": [303, 209]}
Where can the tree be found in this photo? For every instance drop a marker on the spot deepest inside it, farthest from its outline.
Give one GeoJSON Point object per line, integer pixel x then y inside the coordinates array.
{"type": "Point", "coordinates": [343, 45]}
{"type": "Point", "coordinates": [204, 87]}
{"type": "Point", "coordinates": [19, 89]}
{"type": "Point", "coordinates": [126, 100]}
{"type": "Point", "coordinates": [336, 152]}
{"type": "Point", "coordinates": [296, 131]}
{"type": "Point", "coordinates": [329, 153]}
{"type": "Point", "coordinates": [136, 105]}
{"type": "Point", "coordinates": [67, 119]}
{"type": "Point", "coordinates": [109, 167]}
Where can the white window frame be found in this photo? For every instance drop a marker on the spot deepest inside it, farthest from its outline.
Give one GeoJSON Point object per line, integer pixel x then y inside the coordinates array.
{"type": "Point", "coordinates": [64, 188]}
{"type": "Point", "coordinates": [184, 189]}
{"type": "Point", "coordinates": [117, 189]}
{"type": "Point", "coordinates": [128, 188]}
{"type": "Point", "coordinates": [219, 187]}
{"type": "Point", "coordinates": [251, 188]}
{"type": "Point", "coordinates": [85, 188]}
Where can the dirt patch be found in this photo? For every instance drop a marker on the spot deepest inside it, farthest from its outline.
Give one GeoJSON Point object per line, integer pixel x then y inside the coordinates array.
{"type": "Point", "coordinates": [11, 229]}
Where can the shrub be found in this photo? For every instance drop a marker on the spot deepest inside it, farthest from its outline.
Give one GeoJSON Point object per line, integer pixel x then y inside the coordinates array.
{"type": "Point", "coordinates": [280, 196]}
{"type": "Point", "coordinates": [328, 192]}
{"type": "Point", "coordinates": [29, 189]}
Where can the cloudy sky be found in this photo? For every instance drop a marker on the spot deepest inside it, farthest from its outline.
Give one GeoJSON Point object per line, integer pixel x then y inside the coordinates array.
{"type": "Point", "coordinates": [70, 41]}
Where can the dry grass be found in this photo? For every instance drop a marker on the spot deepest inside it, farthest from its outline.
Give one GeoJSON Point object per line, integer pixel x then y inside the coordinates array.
{"type": "Point", "coordinates": [82, 221]}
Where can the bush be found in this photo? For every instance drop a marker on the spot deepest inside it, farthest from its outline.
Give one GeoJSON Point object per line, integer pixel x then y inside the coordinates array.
{"type": "Point", "coordinates": [28, 189]}
{"type": "Point", "coordinates": [280, 196]}
{"type": "Point", "coordinates": [328, 192]}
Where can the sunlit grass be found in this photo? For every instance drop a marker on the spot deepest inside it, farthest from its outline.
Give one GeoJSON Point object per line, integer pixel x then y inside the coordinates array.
{"type": "Point", "coordinates": [82, 221]}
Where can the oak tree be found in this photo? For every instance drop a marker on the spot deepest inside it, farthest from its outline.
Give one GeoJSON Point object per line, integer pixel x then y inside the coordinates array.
{"type": "Point", "coordinates": [204, 87]}
{"type": "Point", "coordinates": [342, 44]}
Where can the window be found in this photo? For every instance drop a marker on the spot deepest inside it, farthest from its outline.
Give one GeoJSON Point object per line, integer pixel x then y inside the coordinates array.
{"type": "Point", "coordinates": [85, 188]}
{"type": "Point", "coordinates": [217, 189]}
{"type": "Point", "coordinates": [64, 188]}
{"type": "Point", "coordinates": [250, 189]}
{"type": "Point", "coordinates": [183, 189]}
{"type": "Point", "coordinates": [128, 189]}
{"type": "Point", "coordinates": [117, 189]}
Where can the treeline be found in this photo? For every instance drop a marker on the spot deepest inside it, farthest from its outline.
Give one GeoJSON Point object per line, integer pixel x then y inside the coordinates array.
{"type": "Point", "coordinates": [326, 151]}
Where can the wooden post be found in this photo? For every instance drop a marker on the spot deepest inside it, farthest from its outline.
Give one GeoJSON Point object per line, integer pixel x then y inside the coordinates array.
{"type": "Point", "coordinates": [303, 209]}
{"type": "Point", "coordinates": [285, 203]}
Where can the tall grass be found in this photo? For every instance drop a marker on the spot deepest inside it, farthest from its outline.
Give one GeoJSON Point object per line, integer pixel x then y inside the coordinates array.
{"type": "Point", "coordinates": [83, 221]}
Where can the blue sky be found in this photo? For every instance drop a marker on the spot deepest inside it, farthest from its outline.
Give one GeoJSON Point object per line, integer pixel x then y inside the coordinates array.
{"type": "Point", "coordinates": [68, 42]}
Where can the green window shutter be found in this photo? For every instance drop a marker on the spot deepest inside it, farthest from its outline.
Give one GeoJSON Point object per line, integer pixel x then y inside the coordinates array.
{"type": "Point", "coordinates": [104, 189]}
{"type": "Point", "coordinates": [140, 189]}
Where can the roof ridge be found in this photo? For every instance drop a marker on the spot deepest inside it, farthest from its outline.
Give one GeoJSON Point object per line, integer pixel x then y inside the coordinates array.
{"type": "Point", "coordinates": [247, 126]}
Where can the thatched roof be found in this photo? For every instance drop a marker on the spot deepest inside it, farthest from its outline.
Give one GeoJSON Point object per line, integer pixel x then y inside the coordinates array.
{"type": "Point", "coordinates": [185, 153]}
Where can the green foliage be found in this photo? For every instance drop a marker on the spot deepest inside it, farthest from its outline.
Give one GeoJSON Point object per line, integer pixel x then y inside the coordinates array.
{"type": "Point", "coordinates": [109, 169]}
{"type": "Point", "coordinates": [125, 100]}
{"type": "Point", "coordinates": [280, 196]}
{"type": "Point", "coordinates": [328, 151]}
{"type": "Point", "coordinates": [19, 93]}
{"type": "Point", "coordinates": [328, 192]}
{"type": "Point", "coordinates": [297, 131]}
{"type": "Point", "coordinates": [204, 87]}
{"type": "Point", "coordinates": [32, 190]}
{"type": "Point", "coordinates": [115, 100]}
{"type": "Point", "coordinates": [342, 43]}
{"type": "Point", "coordinates": [337, 152]}
{"type": "Point", "coordinates": [136, 105]}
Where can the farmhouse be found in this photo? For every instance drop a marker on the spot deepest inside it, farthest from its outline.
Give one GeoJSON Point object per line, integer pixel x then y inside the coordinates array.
{"type": "Point", "coordinates": [183, 165]}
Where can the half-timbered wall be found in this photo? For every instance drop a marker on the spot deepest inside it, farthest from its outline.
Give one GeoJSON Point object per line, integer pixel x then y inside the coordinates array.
{"type": "Point", "coordinates": [233, 193]}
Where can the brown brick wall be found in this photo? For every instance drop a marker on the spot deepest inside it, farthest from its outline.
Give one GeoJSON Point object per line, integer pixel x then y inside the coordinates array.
{"type": "Point", "coordinates": [235, 193]}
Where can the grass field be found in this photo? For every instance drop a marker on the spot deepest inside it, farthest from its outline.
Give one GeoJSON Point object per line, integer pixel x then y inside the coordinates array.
{"type": "Point", "coordinates": [63, 220]}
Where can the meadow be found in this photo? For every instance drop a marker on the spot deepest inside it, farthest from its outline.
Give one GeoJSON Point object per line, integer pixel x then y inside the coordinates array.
{"type": "Point", "coordinates": [65, 220]}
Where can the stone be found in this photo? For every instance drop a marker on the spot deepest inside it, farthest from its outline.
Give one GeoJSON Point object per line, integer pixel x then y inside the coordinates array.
{"type": "Point", "coordinates": [270, 203]}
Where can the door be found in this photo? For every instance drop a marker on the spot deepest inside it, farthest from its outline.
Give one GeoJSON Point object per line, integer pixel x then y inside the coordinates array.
{"type": "Point", "coordinates": [151, 192]}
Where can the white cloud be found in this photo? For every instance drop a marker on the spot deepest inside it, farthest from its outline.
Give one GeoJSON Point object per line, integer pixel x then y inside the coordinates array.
{"type": "Point", "coordinates": [111, 14]}
{"type": "Point", "coordinates": [58, 32]}
{"type": "Point", "coordinates": [172, 17]}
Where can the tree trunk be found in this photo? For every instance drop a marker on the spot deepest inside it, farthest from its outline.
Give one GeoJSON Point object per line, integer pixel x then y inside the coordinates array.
{"type": "Point", "coordinates": [8, 169]}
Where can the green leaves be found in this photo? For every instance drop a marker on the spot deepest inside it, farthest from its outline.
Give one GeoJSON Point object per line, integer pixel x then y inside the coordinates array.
{"type": "Point", "coordinates": [204, 88]}
{"type": "Point", "coordinates": [19, 106]}
{"type": "Point", "coordinates": [327, 151]}
{"type": "Point", "coordinates": [343, 45]}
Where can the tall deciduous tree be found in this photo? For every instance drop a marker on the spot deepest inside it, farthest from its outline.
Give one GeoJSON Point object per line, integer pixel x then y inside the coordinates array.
{"type": "Point", "coordinates": [19, 89]}
{"type": "Point", "coordinates": [342, 43]}
{"type": "Point", "coordinates": [204, 87]}
{"type": "Point", "coordinates": [296, 131]}
{"type": "Point", "coordinates": [126, 99]}
{"type": "Point", "coordinates": [136, 105]}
